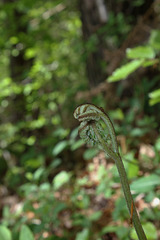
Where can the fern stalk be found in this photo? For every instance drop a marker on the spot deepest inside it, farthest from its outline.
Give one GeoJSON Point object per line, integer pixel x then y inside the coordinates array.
{"type": "Point", "coordinates": [94, 122]}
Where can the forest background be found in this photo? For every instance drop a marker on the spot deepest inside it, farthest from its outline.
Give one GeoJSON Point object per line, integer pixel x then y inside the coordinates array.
{"type": "Point", "coordinates": [56, 55]}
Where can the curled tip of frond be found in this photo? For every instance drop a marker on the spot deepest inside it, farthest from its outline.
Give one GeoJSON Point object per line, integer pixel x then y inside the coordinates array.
{"type": "Point", "coordinates": [95, 122]}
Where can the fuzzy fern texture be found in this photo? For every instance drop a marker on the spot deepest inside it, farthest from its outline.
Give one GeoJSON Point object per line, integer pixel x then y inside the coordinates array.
{"type": "Point", "coordinates": [96, 129]}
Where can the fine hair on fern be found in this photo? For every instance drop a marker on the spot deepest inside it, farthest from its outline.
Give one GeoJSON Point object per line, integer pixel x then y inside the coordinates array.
{"type": "Point", "coordinates": [96, 129]}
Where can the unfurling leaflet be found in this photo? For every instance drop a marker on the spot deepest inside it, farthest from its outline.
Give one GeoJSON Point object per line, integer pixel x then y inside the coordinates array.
{"type": "Point", "coordinates": [96, 129]}
{"type": "Point", "coordinates": [94, 119]}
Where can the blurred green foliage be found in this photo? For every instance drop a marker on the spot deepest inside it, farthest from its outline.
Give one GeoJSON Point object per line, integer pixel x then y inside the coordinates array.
{"type": "Point", "coordinates": [42, 160]}
{"type": "Point", "coordinates": [140, 56]}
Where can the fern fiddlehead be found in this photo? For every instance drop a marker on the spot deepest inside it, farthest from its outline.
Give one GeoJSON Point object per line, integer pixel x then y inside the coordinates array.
{"type": "Point", "coordinates": [96, 128]}
{"type": "Point", "coordinates": [89, 115]}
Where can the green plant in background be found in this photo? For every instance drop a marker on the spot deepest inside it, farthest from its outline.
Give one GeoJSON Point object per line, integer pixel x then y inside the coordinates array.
{"type": "Point", "coordinates": [94, 123]}
{"type": "Point", "coordinates": [141, 56]}
{"type": "Point", "coordinates": [40, 87]}
{"type": "Point", "coordinates": [37, 149]}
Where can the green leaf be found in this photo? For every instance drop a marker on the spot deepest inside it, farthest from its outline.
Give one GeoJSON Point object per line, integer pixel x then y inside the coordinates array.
{"type": "Point", "coordinates": [95, 216]}
{"type": "Point", "coordinates": [108, 229]}
{"type": "Point", "coordinates": [122, 232]}
{"type": "Point", "coordinates": [74, 133]}
{"type": "Point", "coordinates": [5, 233]}
{"type": "Point", "coordinates": [82, 181]}
{"type": "Point", "coordinates": [38, 173]}
{"type": "Point", "coordinates": [155, 39]}
{"type": "Point", "coordinates": [137, 132]}
{"type": "Point", "coordinates": [140, 52]}
{"type": "Point", "coordinates": [59, 147]}
{"type": "Point", "coordinates": [125, 70]}
{"type": "Point", "coordinates": [132, 165]}
{"type": "Point", "coordinates": [133, 169]}
{"type": "Point", "coordinates": [44, 187]}
{"type": "Point", "coordinates": [60, 179]}
{"type": "Point", "coordinates": [90, 153]}
{"type": "Point", "coordinates": [77, 144]}
{"type": "Point", "coordinates": [25, 233]}
{"type": "Point", "coordinates": [151, 62]}
{"type": "Point", "coordinates": [84, 234]}
{"type": "Point", "coordinates": [149, 230]}
{"type": "Point", "coordinates": [154, 97]}
{"type": "Point", "coordinates": [157, 144]}
{"type": "Point", "coordinates": [154, 101]}
{"type": "Point", "coordinates": [145, 184]}
{"type": "Point", "coordinates": [117, 114]}
{"type": "Point", "coordinates": [155, 94]}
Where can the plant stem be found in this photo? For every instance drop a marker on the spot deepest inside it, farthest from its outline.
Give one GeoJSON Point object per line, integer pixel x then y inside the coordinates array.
{"type": "Point", "coordinates": [125, 185]}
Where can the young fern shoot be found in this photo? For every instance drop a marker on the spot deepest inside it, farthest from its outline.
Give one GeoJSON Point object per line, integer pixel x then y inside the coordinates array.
{"type": "Point", "coordinates": [96, 129]}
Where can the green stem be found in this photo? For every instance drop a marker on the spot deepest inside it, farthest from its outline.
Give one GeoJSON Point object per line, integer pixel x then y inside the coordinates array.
{"type": "Point", "coordinates": [125, 185]}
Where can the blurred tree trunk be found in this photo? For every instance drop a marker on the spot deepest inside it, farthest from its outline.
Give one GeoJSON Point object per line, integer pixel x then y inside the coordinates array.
{"type": "Point", "coordinates": [19, 66]}
{"type": "Point", "coordinates": [93, 15]}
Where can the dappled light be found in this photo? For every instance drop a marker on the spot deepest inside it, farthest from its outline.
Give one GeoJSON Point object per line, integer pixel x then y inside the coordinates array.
{"type": "Point", "coordinates": [97, 61]}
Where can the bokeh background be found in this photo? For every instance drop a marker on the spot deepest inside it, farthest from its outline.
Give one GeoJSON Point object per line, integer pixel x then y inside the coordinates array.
{"type": "Point", "coordinates": [55, 55]}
